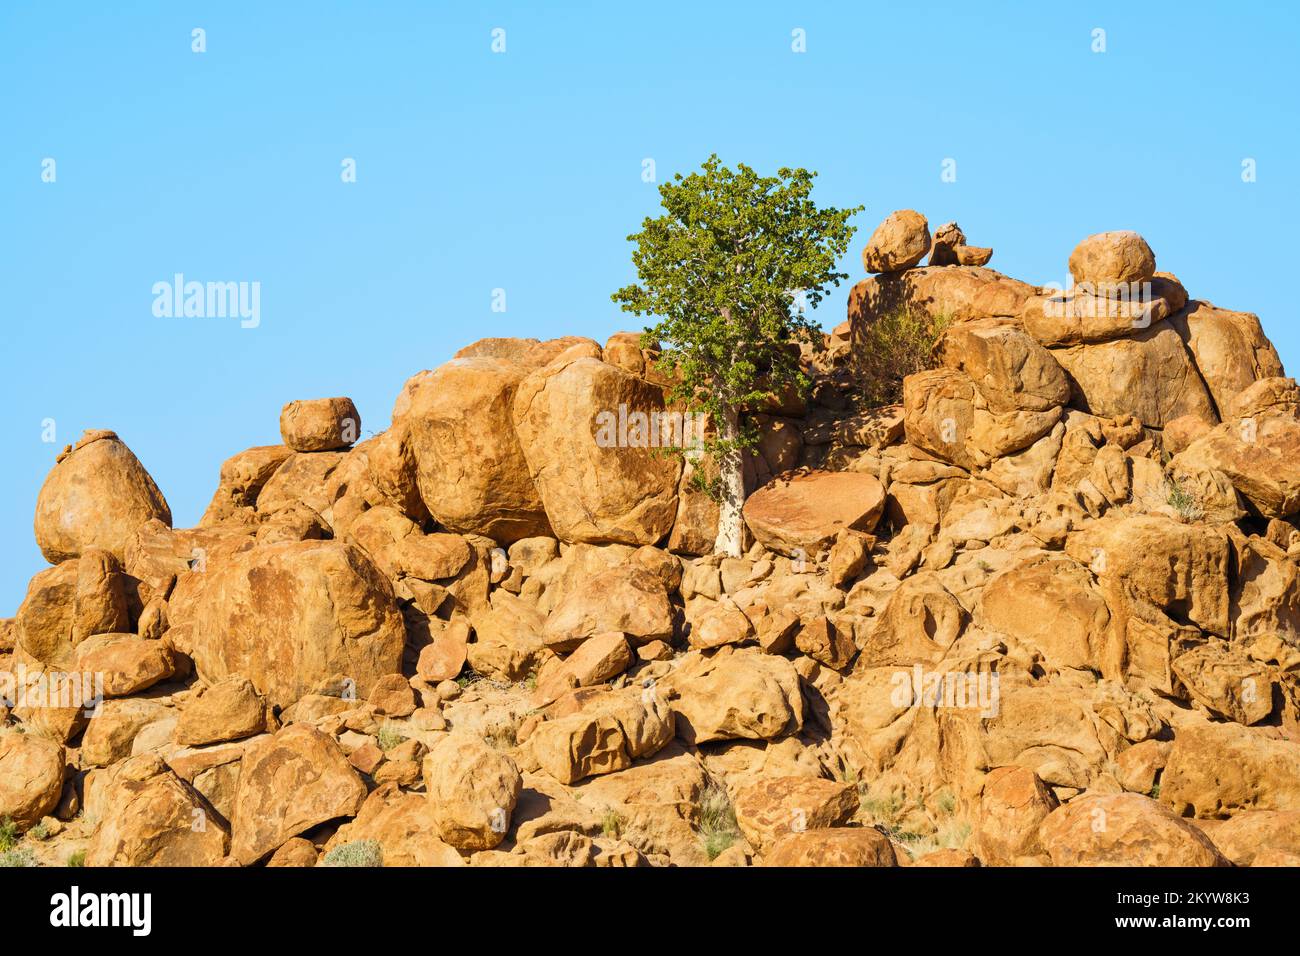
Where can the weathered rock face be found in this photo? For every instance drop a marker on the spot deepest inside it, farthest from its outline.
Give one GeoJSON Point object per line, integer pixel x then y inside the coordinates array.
{"type": "Point", "coordinates": [955, 294]}
{"type": "Point", "coordinates": [403, 824]}
{"type": "Point", "coordinates": [604, 737]}
{"type": "Point", "coordinates": [1247, 836]}
{"type": "Point", "coordinates": [97, 494]}
{"type": "Point", "coordinates": [31, 777]}
{"type": "Point", "coordinates": [289, 783]}
{"type": "Point", "coordinates": [531, 353]}
{"type": "Point", "coordinates": [290, 617]}
{"type": "Point", "coordinates": [1011, 371]}
{"type": "Point", "coordinates": [110, 737]}
{"type": "Point", "coordinates": [1182, 569]}
{"type": "Point", "coordinates": [303, 479]}
{"type": "Point", "coordinates": [1220, 769]}
{"type": "Point", "coordinates": [472, 792]}
{"type": "Point", "coordinates": [153, 818]}
{"type": "Point", "coordinates": [1050, 607]}
{"type": "Point", "coordinates": [898, 243]}
{"type": "Point", "coordinates": [1230, 348]}
{"type": "Point", "coordinates": [227, 710]}
{"type": "Point", "coordinates": [320, 424]}
{"type": "Point", "coordinates": [1088, 314]}
{"type": "Point", "coordinates": [242, 478]}
{"type": "Point", "coordinates": [840, 846]}
{"type": "Point", "coordinates": [1013, 805]}
{"type": "Point", "coordinates": [1149, 374]}
{"type": "Point", "coordinates": [801, 514]}
{"type": "Point", "coordinates": [126, 663]}
{"type": "Point", "coordinates": [473, 476]}
{"type": "Point", "coordinates": [628, 598]}
{"type": "Point", "coordinates": [1259, 455]}
{"type": "Point", "coordinates": [1226, 682]}
{"type": "Point", "coordinates": [1124, 829]}
{"type": "Point", "coordinates": [591, 434]}
{"type": "Point", "coordinates": [773, 808]}
{"type": "Point", "coordinates": [946, 416]}
{"type": "Point", "coordinates": [738, 696]}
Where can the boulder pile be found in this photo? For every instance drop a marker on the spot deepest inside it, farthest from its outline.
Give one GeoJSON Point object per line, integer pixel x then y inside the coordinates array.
{"type": "Point", "coordinates": [1045, 611]}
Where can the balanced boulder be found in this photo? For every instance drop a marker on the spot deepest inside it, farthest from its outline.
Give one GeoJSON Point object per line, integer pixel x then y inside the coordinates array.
{"type": "Point", "coordinates": [320, 424]}
{"type": "Point", "coordinates": [899, 243]}
{"type": "Point", "coordinates": [1109, 258]}
{"type": "Point", "coordinates": [96, 496]}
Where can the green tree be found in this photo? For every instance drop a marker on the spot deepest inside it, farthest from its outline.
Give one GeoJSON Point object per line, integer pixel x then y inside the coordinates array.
{"type": "Point", "coordinates": [730, 270]}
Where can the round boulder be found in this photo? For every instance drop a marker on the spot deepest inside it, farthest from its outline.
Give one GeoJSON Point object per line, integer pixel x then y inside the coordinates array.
{"type": "Point", "coordinates": [1109, 258]}
{"type": "Point", "coordinates": [320, 424]}
{"type": "Point", "coordinates": [96, 496]}
{"type": "Point", "coordinates": [900, 242]}
{"type": "Point", "coordinates": [31, 777]}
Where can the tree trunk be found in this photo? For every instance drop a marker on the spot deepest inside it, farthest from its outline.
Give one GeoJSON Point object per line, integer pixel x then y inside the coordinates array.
{"type": "Point", "coordinates": [731, 526]}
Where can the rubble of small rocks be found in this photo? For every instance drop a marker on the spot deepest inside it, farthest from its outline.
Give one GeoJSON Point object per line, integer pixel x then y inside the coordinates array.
{"type": "Point", "coordinates": [1058, 584]}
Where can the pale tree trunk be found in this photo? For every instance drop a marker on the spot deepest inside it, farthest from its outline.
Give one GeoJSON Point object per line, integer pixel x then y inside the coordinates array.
{"type": "Point", "coordinates": [731, 528]}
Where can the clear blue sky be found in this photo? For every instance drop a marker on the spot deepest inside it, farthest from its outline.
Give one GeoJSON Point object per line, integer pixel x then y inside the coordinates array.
{"type": "Point", "coordinates": [522, 171]}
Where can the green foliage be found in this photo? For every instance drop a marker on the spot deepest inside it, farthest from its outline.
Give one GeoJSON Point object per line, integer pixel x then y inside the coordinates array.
{"type": "Point", "coordinates": [1183, 501]}
{"type": "Point", "coordinates": [39, 832]}
{"type": "Point", "coordinates": [718, 827]}
{"type": "Point", "coordinates": [899, 342]}
{"type": "Point", "coordinates": [17, 858]}
{"type": "Point", "coordinates": [892, 815]}
{"type": "Point", "coordinates": [77, 858]}
{"type": "Point", "coordinates": [356, 853]}
{"type": "Point", "coordinates": [727, 270]}
{"type": "Point", "coordinates": [389, 736]}
{"type": "Point", "coordinates": [612, 824]}
{"type": "Point", "coordinates": [8, 835]}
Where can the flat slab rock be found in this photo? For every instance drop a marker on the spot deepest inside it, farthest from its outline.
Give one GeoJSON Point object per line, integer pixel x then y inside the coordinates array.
{"type": "Point", "coordinates": [799, 515]}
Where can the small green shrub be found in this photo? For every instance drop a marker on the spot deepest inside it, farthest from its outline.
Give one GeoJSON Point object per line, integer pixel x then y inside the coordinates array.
{"type": "Point", "coordinates": [8, 835]}
{"type": "Point", "coordinates": [356, 853]}
{"type": "Point", "coordinates": [77, 858]}
{"type": "Point", "coordinates": [718, 827]}
{"type": "Point", "coordinates": [611, 824]}
{"type": "Point", "coordinates": [1183, 501]}
{"type": "Point", "coordinates": [389, 736]}
{"type": "Point", "coordinates": [14, 858]}
{"type": "Point", "coordinates": [899, 342]}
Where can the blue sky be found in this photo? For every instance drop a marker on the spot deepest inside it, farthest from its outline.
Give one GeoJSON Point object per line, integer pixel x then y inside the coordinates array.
{"type": "Point", "coordinates": [522, 171]}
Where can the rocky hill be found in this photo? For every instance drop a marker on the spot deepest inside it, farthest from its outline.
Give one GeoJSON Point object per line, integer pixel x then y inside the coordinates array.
{"type": "Point", "coordinates": [1044, 611]}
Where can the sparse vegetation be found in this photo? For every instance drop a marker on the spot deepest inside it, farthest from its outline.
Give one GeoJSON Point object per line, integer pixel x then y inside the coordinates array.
{"type": "Point", "coordinates": [892, 814]}
{"type": "Point", "coordinates": [1183, 501]}
{"type": "Point", "coordinates": [356, 853]}
{"type": "Point", "coordinates": [718, 827]}
{"type": "Point", "coordinates": [501, 734]}
{"type": "Point", "coordinates": [389, 736]}
{"type": "Point", "coordinates": [899, 342]}
{"type": "Point", "coordinates": [14, 858]}
{"type": "Point", "coordinates": [612, 824]}
{"type": "Point", "coordinates": [77, 858]}
{"type": "Point", "coordinates": [8, 835]}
